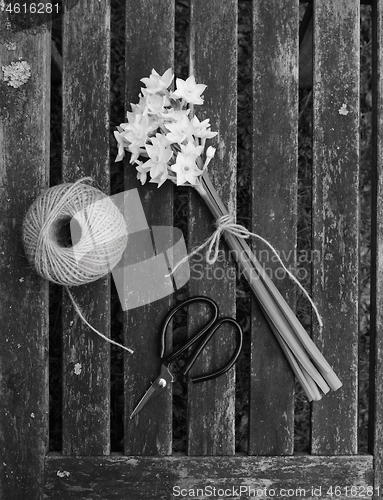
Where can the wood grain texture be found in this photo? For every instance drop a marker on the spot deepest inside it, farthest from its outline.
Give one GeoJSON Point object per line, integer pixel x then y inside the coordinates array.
{"type": "Point", "coordinates": [24, 174]}
{"type": "Point", "coordinates": [213, 61]}
{"type": "Point", "coordinates": [376, 340]}
{"type": "Point", "coordinates": [306, 49]}
{"type": "Point", "coordinates": [335, 217]}
{"type": "Point", "coordinates": [139, 478]}
{"type": "Point", "coordinates": [149, 45]}
{"type": "Point", "coordinates": [274, 214]}
{"type": "Point", "coordinates": [86, 80]}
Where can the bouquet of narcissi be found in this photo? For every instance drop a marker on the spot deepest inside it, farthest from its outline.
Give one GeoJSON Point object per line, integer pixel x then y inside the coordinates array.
{"type": "Point", "coordinates": [167, 141]}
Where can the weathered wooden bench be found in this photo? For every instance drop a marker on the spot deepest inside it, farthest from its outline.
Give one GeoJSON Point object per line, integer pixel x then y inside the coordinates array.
{"type": "Point", "coordinates": [147, 469]}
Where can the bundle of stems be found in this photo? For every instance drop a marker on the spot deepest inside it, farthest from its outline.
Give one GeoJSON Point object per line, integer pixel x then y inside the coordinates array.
{"type": "Point", "coordinates": [307, 362]}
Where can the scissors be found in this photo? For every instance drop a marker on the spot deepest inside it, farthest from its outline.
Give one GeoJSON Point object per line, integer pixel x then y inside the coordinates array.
{"type": "Point", "coordinates": [204, 335]}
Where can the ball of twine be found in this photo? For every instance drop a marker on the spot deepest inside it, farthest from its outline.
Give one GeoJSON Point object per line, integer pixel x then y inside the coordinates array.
{"type": "Point", "coordinates": [74, 234]}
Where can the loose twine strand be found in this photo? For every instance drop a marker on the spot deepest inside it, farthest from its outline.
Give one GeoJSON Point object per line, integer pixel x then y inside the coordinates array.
{"type": "Point", "coordinates": [226, 223]}
{"type": "Point", "coordinates": [78, 310]}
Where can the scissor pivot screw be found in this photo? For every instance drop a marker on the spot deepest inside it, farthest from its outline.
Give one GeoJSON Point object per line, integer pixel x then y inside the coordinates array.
{"type": "Point", "coordinates": [161, 382]}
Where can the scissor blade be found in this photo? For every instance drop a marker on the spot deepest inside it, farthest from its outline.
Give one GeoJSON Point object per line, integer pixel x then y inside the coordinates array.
{"type": "Point", "coordinates": [148, 395]}
{"type": "Point", "coordinates": [161, 382]}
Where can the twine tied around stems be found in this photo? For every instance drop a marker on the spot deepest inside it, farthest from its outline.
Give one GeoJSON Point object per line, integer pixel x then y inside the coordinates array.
{"type": "Point", "coordinates": [226, 223]}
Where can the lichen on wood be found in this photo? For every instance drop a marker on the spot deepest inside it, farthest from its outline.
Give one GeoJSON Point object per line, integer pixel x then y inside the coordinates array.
{"type": "Point", "coordinates": [17, 73]}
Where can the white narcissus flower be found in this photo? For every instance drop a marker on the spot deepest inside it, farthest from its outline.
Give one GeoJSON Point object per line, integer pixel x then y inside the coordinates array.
{"type": "Point", "coordinates": [180, 130]}
{"type": "Point", "coordinates": [172, 114]}
{"type": "Point", "coordinates": [155, 104]}
{"type": "Point", "coordinates": [159, 154]}
{"type": "Point", "coordinates": [142, 172]}
{"type": "Point", "coordinates": [203, 128]}
{"type": "Point", "coordinates": [137, 108]}
{"type": "Point", "coordinates": [156, 83]}
{"type": "Point", "coordinates": [210, 152]}
{"type": "Point", "coordinates": [136, 152]}
{"type": "Point", "coordinates": [186, 169]}
{"type": "Point", "coordinates": [121, 145]}
{"type": "Point", "coordinates": [191, 149]}
{"type": "Point", "coordinates": [137, 130]}
{"type": "Point", "coordinates": [189, 90]}
{"type": "Point", "coordinates": [160, 179]}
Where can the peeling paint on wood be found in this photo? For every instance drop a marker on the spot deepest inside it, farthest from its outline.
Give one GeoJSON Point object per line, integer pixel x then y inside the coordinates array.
{"type": "Point", "coordinates": [159, 478]}
{"type": "Point", "coordinates": [335, 218]}
{"type": "Point", "coordinates": [213, 61]}
{"type": "Point", "coordinates": [24, 164]}
{"type": "Point", "coordinates": [86, 405]}
{"type": "Point", "coordinates": [150, 431]}
{"type": "Point", "coordinates": [376, 336]}
{"type": "Point", "coordinates": [274, 213]}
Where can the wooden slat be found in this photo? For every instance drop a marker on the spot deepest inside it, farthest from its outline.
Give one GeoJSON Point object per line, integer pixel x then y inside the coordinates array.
{"type": "Point", "coordinates": [86, 53]}
{"type": "Point", "coordinates": [274, 213]}
{"type": "Point", "coordinates": [24, 164]}
{"type": "Point", "coordinates": [213, 61]}
{"type": "Point", "coordinates": [335, 217]}
{"type": "Point", "coordinates": [165, 478]}
{"type": "Point", "coordinates": [149, 44]}
{"type": "Point", "coordinates": [376, 339]}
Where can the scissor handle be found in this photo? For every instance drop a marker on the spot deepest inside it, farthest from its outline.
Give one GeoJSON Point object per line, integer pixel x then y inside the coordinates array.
{"type": "Point", "coordinates": [199, 334]}
{"type": "Point", "coordinates": [200, 348]}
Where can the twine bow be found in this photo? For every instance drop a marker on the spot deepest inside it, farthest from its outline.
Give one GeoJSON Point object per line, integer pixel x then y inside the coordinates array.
{"type": "Point", "coordinates": [226, 223]}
